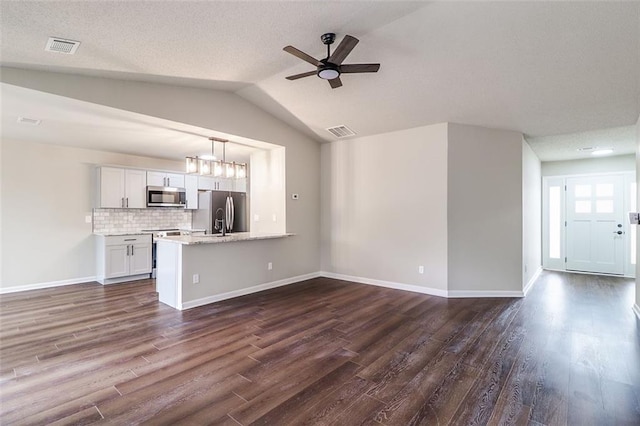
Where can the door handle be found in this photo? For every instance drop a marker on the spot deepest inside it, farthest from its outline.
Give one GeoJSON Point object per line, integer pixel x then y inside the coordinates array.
{"type": "Point", "coordinates": [618, 232]}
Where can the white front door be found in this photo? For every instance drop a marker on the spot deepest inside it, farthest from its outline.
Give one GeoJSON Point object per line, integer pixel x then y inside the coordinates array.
{"type": "Point", "coordinates": [594, 231]}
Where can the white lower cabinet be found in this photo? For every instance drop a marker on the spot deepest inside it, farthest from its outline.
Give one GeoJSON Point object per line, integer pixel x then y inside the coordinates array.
{"type": "Point", "coordinates": [123, 257]}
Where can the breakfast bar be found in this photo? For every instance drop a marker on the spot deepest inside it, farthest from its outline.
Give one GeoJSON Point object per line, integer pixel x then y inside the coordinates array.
{"type": "Point", "coordinates": [197, 270]}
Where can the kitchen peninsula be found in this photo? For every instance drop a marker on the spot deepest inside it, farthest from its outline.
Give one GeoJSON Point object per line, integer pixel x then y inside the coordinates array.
{"type": "Point", "coordinates": [197, 270]}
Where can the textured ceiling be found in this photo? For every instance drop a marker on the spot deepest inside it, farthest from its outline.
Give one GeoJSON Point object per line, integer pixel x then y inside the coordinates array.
{"type": "Point", "coordinates": [81, 124]}
{"type": "Point", "coordinates": [542, 68]}
{"type": "Point", "coordinates": [566, 147]}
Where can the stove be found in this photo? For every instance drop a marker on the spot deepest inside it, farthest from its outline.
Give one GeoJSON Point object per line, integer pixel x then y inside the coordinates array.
{"type": "Point", "coordinates": [160, 233]}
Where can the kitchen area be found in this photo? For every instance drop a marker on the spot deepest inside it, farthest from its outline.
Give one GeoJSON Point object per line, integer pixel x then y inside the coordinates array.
{"type": "Point", "coordinates": [144, 218]}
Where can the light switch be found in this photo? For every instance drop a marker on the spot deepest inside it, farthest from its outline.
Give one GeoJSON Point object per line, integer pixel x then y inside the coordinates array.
{"type": "Point", "coordinates": [87, 219]}
{"type": "Point", "coordinates": [256, 218]}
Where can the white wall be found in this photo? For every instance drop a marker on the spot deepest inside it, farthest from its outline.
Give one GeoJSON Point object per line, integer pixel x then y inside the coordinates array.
{"type": "Point", "coordinates": [47, 190]}
{"type": "Point", "coordinates": [217, 110]}
{"type": "Point", "coordinates": [619, 163]}
{"type": "Point", "coordinates": [484, 209]}
{"type": "Point", "coordinates": [268, 193]}
{"type": "Point", "coordinates": [531, 214]}
{"type": "Point", "coordinates": [638, 204]}
{"type": "Point", "coordinates": [384, 207]}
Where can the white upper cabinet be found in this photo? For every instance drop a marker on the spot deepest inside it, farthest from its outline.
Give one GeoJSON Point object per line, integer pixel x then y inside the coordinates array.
{"type": "Point", "coordinates": [121, 188]}
{"type": "Point", "coordinates": [191, 185]}
{"type": "Point", "coordinates": [240, 185]}
{"type": "Point", "coordinates": [175, 180]}
{"type": "Point", "coordinates": [206, 183]}
{"type": "Point", "coordinates": [225, 184]}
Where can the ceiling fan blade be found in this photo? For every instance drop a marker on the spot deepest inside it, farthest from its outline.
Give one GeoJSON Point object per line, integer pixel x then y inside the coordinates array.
{"type": "Point", "coordinates": [300, 54]}
{"type": "Point", "coordinates": [335, 83]}
{"type": "Point", "coordinates": [356, 68]}
{"type": "Point", "coordinates": [346, 46]}
{"type": "Point", "coordinates": [304, 74]}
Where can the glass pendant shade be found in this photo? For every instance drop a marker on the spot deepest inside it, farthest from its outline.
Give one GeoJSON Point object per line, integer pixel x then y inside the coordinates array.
{"type": "Point", "coordinates": [191, 164]}
{"type": "Point", "coordinates": [241, 171]}
{"type": "Point", "coordinates": [209, 165]}
{"type": "Point", "coordinates": [204, 167]}
{"type": "Point", "coordinates": [230, 170]}
{"type": "Point", "coordinates": [217, 168]}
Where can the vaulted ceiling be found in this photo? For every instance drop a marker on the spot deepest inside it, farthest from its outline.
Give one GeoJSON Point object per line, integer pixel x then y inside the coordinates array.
{"type": "Point", "coordinates": [542, 68]}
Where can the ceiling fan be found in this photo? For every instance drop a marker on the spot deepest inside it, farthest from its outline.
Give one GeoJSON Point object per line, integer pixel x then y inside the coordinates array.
{"type": "Point", "coordinates": [331, 67]}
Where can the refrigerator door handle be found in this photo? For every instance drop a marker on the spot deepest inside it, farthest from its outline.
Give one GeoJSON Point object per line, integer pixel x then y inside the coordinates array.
{"type": "Point", "coordinates": [233, 213]}
{"type": "Point", "coordinates": [227, 213]}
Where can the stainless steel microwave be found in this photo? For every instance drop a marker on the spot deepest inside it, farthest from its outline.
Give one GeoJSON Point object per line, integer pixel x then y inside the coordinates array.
{"type": "Point", "coordinates": [163, 196]}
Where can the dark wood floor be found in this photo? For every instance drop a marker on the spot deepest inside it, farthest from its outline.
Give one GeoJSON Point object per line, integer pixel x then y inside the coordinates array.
{"type": "Point", "coordinates": [323, 352]}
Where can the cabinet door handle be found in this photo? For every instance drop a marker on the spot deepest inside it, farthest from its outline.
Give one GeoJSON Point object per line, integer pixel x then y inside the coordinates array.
{"type": "Point", "coordinates": [128, 250]}
{"type": "Point", "coordinates": [127, 201]}
{"type": "Point", "coordinates": [131, 249]}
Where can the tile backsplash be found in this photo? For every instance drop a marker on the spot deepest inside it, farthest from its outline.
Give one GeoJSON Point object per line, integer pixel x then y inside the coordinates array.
{"type": "Point", "coordinates": [134, 220]}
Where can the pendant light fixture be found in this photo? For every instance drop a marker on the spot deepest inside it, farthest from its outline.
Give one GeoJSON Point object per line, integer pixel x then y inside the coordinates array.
{"type": "Point", "coordinates": [209, 165]}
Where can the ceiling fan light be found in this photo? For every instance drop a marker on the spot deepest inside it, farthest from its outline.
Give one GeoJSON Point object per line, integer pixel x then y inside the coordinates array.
{"type": "Point", "coordinates": [328, 73]}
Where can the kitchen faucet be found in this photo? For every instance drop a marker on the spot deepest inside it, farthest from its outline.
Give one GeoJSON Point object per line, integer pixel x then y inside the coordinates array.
{"type": "Point", "coordinates": [219, 223]}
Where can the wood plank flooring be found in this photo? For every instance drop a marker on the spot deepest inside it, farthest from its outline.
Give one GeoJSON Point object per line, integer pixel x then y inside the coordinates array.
{"type": "Point", "coordinates": [322, 352]}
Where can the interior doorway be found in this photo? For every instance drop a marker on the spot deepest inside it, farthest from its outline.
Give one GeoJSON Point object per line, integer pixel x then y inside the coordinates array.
{"type": "Point", "coordinates": [584, 225]}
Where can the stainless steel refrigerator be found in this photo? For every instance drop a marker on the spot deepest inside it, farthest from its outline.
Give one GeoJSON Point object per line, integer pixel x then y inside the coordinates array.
{"type": "Point", "coordinates": [214, 206]}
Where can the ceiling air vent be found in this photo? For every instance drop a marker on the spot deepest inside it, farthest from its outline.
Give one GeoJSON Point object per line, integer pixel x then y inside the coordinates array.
{"type": "Point", "coordinates": [61, 45]}
{"type": "Point", "coordinates": [29, 121]}
{"type": "Point", "coordinates": [341, 131]}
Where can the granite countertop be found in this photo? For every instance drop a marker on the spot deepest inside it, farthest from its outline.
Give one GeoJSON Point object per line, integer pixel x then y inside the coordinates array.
{"type": "Point", "coordinates": [119, 234]}
{"type": "Point", "coordinates": [216, 238]}
{"type": "Point", "coordinates": [143, 232]}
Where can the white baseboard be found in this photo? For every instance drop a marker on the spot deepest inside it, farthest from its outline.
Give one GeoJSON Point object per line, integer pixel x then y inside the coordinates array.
{"type": "Point", "coordinates": [388, 284]}
{"type": "Point", "coordinates": [457, 294]}
{"type": "Point", "coordinates": [242, 292]}
{"type": "Point", "coordinates": [636, 309]}
{"type": "Point", "coordinates": [532, 281]}
{"type": "Point", "coordinates": [49, 284]}
{"type": "Point", "coordinates": [109, 281]}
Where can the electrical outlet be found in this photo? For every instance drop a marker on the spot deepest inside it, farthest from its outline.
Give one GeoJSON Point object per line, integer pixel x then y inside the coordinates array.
{"type": "Point", "coordinates": [196, 278]}
{"type": "Point", "coordinates": [270, 266]}
{"type": "Point", "coordinates": [87, 219]}
{"type": "Point", "coordinates": [275, 219]}
{"type": "Point", "coordinates": [421, 269]}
